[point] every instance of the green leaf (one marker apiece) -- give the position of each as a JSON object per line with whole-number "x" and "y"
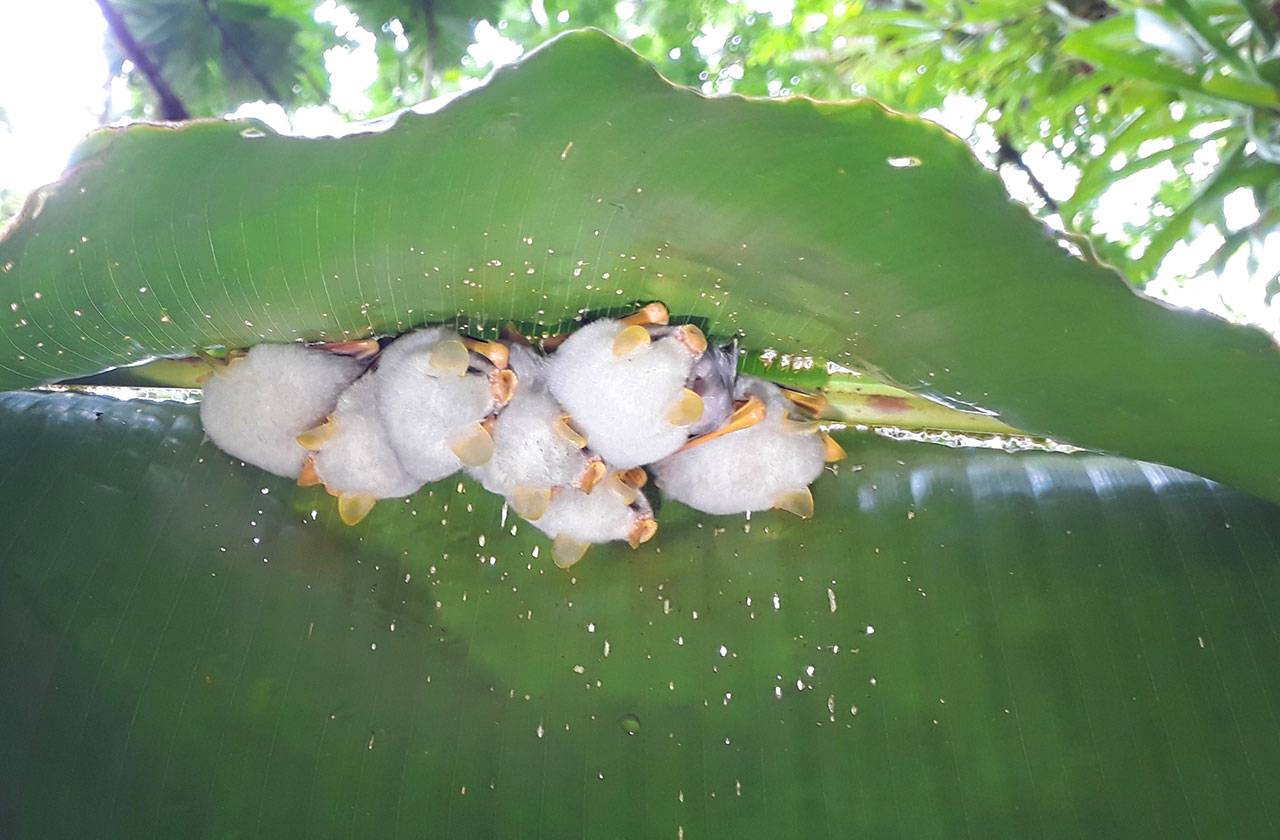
{"x": 1209, "y": 33}
{"x": 580, "y": 180}
{"x": 1263, "y": 19}
{"x": 1137, "y": 64}
{"x": 1098, "y": 175}
{"x": 1235, "y": 171}
{"x": 1240, "y": 89}
{"x": 1098, "y": 44}
{"x": 1034, "y": 644}
{"x": 1156, "y": 31}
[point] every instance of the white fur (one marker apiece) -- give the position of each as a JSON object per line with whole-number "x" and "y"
{"x": 255, "y": 407}
{"x": 529, "y": 365}
{"x": 526, "y": 451}
{"x": 358, "y": 458}
{"x": 620, "y": 403}
{"x": 745, "y": 470}
{"x": 601, "y": 516}
{"x": 423, "y": 409}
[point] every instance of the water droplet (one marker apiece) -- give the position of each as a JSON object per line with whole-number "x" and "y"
{"x": 630, "y": 724}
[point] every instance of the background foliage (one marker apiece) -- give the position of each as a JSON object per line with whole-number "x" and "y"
{"x": 1071, "y": 98}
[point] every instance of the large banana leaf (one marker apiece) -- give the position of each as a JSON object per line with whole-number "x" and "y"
{"x": 970, "y": 643}
{"x": 581, "y": 179}
{"x": 961, "y": 642}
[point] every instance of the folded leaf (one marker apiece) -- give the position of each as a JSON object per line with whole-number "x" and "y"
{"x": 579, "y": 180}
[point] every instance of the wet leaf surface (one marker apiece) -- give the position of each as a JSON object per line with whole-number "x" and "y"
{"x": 1033, "y": 644}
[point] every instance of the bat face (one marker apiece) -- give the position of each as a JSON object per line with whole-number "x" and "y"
{"x": 713, "y": 378}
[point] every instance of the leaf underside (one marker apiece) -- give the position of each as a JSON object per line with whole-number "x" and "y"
{"x": 1034, "y": 644}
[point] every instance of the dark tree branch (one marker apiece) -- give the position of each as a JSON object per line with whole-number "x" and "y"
{"x": 171, "y": 107}
{"x": 429, "y": 48}
{"x": 320, "y": 90}
{"x": 230, "y": 43}
{"x": 1007, "y": 153}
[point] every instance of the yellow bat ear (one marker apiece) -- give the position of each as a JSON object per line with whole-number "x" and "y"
{"x": 631, "y": 340}
{"x": 799, "y": 502}
{"x": 531, "y": 502}
{"x": 353, "y": 507}
{"x": 621, "y": 489}
{"x": 474, "y": 446}
{"x": 831, "y": 450}
{"x": 687, "y": 409}
{"x": 315, "y": 439}
{"x": 449, "y": 357}
{"x": 563, "y": 428}
{"x": 566, "y": 552}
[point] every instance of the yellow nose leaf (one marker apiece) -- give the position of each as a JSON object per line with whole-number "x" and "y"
{"x": 650, "y": 313}
{"x": 502, "y": 385}
{"x": 687, "y": 409}
{"x": 631, "y": 340}
{"x": 591, "y": 476}
{"x": 812, "y": 404}
{"x": 494, "y": 351}
{"x": 799, "y": 502}
{"x": 642, "y": 532}
{"x": 449, "y": 358}
{"x": 308, "y": 477}
{"x": 693, "y": 338}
